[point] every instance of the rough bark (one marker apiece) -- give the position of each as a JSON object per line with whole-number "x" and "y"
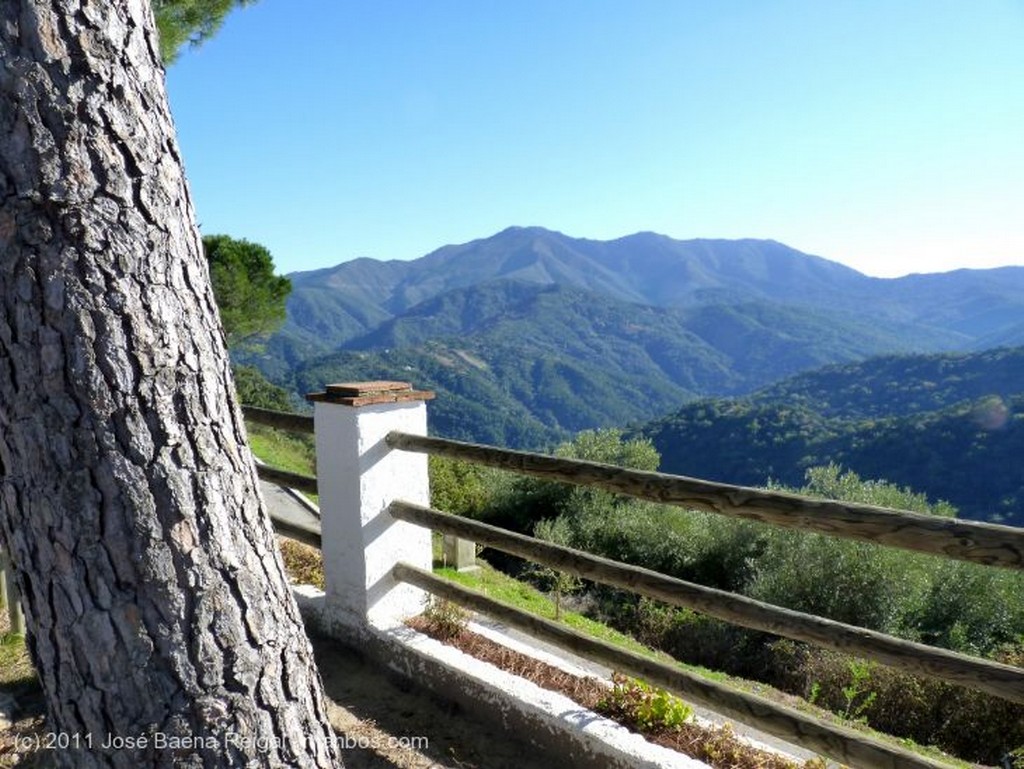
{"x": 158, "y": 608}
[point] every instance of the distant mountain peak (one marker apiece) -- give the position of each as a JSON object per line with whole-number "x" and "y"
{"x": 765, "y": 306}
{"x": 530, "y": 230}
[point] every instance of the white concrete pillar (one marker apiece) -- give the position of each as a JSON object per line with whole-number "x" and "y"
{"x": 358, "y": 476}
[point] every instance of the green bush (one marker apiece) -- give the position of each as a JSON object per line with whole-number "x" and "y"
{"x": 967, "y": 723}
{"x": 971, "y": 608}
{"x": 860, "y": 583}
{"x": 646, "y": 707}
{"x": 832, "y": 482}
{"x": 853, "y": 582}
{"x": 460, "y": 488}
{"x": 521, "y": 502}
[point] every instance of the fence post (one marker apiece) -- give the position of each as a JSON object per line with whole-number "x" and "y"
{"x": 9, "y": 595}
{"x": 358, "y": 476}
{"x": 460, "y": 554}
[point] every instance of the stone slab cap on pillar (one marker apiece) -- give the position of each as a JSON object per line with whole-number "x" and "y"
{"x": 368, "y": 393}
{"x": 359, "y": 475}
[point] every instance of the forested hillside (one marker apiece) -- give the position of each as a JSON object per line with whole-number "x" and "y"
{"x": 531, "y": 335}
{"x": 951, "y": 426}
{"x": 526, "y": 364}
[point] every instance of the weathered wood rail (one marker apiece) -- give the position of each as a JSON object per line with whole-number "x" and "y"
{"x": 1001, "y": 680}
{"x": 307, "y": 535}
{"x": 282, "y": 420}
{"x": 306, "y": 483}
{"x": 983, "y": 543}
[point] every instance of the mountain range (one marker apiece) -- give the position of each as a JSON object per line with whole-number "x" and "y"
{"x": 530, "y": 335}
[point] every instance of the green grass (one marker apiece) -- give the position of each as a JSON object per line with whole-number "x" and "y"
{"x": 16, "y": 668}
{"x": 284, "y": 450}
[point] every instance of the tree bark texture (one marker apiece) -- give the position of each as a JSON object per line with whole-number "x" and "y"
{"x": 159, "y": 612}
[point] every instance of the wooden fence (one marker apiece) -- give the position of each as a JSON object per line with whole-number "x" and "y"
{"x": 965, "y": 540}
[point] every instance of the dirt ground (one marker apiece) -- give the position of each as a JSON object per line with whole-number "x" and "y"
{"x": 382, "y": 723}
{"x": 371, "y": 702}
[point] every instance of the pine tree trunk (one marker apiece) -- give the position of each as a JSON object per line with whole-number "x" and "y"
{"x": 158, "y": 609}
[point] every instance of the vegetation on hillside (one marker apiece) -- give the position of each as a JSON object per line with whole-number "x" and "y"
{"x": 526, "y": 365}
{"x": 949, "y": 425}
{"x": 471, "y": 405}
{"x": 891, "y": 385}
{"x": 955, "y": 605}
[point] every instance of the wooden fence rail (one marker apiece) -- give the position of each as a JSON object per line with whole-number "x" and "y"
{"x": 834, "y": 741}
{"x": 297, "y": 481}
{"x": 991, "y": 677}
{"x": 983, "y": 543}
{"x": 307, "y": 535}
{"x": 282, "y": 420}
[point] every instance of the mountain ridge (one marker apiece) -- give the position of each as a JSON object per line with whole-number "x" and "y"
{"x": 570, "y": 333}
{"x": 649, "y": 268}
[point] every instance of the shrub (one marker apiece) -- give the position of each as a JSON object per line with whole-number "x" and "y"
{"x": 860, "y": 583}
{"x": 853, "y": 582}
{"x": 520, "y": 503}
{"x": 967, "y": 723}
{"x": 971, "y": 608}
{"x": 458, "y": 487}
{"x": 445, "y": 619}
{"x": 645, "y": 707}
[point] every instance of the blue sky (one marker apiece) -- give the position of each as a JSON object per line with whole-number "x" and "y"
{"x": 885, "y": 135}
